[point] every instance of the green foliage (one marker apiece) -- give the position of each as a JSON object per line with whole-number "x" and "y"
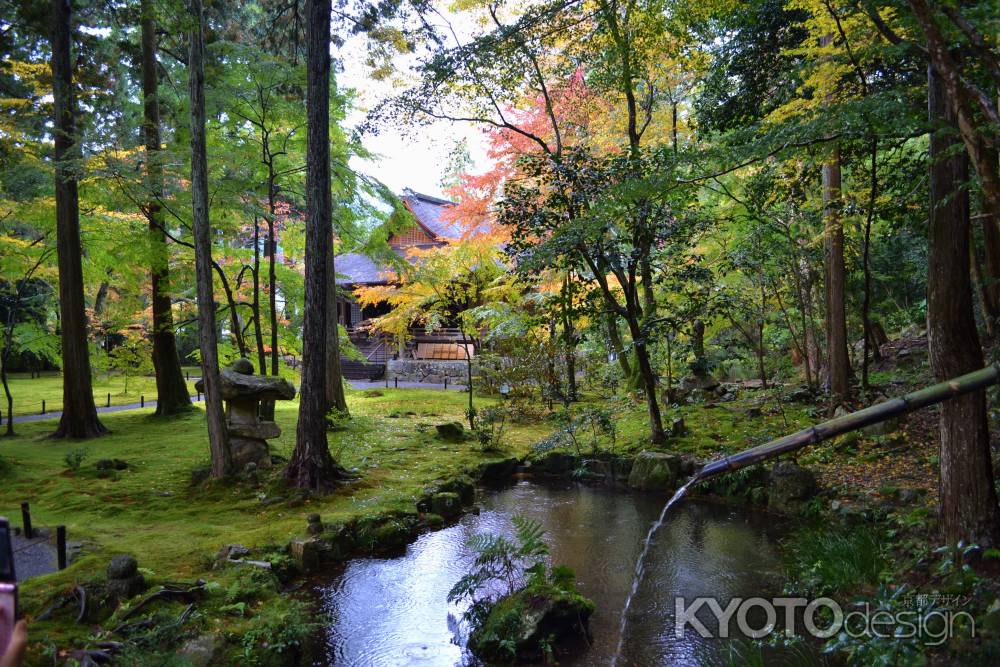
{"x": 491, "y": 428}
{"x": 277, "y": 632}
{"x": 75, "y": 458}
{"x": 829, "y": 559}
{"x": 868, "y": 649}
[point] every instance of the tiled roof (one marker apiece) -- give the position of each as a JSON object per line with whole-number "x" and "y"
{"x": 427, "y": 210}
{"x": 357, "y": 269}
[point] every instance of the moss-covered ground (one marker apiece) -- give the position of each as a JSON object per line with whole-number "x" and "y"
{"x": 29, "y": 392}
{"x": 174, "y": 529}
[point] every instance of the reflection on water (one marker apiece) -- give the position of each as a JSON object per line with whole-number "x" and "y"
{"x": 395, "y": 612}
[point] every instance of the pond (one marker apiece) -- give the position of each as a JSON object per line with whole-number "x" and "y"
{"x": 394, "y": 611}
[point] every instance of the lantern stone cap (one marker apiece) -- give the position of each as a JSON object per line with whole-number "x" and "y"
{"x": 239, "y": 382}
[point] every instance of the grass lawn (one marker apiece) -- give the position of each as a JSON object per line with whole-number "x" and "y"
{"x": 151, "y": 511}
{"x": 29, "y": 392}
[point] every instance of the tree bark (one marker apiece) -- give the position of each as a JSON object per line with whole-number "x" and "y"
{"x": 218, "y": 438}
{"x": 836, "y": 311}
{"x": 991, "y": 268}
{"x": 258, "y": 333}
{"x": 79, "y": 417}
{"x": 335, "y": 399}
{"x": 615, "y": 340}
{"x": 311, "y": 466}
{"x": 272, "y": 295}
{"x": 968, "y": 501}
{"x": 171, "y": 389}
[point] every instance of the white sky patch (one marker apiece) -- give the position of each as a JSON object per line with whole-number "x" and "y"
{"x": 409, "y": 156}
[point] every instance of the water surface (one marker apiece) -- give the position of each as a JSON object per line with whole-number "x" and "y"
{"x": 394, "y": 611}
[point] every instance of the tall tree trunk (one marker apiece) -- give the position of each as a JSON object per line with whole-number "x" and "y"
{"x": 979, "y": 285}
{"x": 171, "y": 390}
{"x": 79, "y": 417}
{"x": 311, "y": 466}
{"x": 218, "y": 438}
{"x": 272, "y": 294}
{"x": 967, "y": 495}
{"x": 648, "y": 376}
{"x": 335, "y": 398}
{"x": 991, "y": 270}
{"x": 258, "y": 333}
{"x": 569, "y": 338}
{"x": 615, "y": 340}
{"x": 866, "y": 253}
{"x": 836, "y": 310}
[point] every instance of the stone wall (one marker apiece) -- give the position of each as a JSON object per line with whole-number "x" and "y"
{"x": 426, "y": 370}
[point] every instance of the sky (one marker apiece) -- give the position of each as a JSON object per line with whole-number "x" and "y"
{"x": 409, "y": 157}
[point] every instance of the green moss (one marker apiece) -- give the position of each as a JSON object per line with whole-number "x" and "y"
{"x": 522, "y": 624}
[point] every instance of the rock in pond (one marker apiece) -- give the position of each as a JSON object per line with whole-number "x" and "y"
{"x": 655, "y": 471}
{"x": 527, "y": 618}
{"x": 447, "y": 504}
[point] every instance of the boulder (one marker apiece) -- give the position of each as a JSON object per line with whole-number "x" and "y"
{"x": 463, "y": 486}
{"x": 111, "y": 464}
{"x": 451, "y": 432}
{"x": 314, "y": 524}
{"x": 882, "y": 428}
{"x": 543, "y": 614}
{"x": 790, "y": 483}
{"x": 555, "y": 463}
{"x": 655, "y": 471}
{"x": 200, "y": 651}
{"x": 447, "y": 504}
{"x": 497, "y": 471}
{"x": 231, "y": 552}
{"x": 704, "y": 382}
{"x": 336, "y": 543}
{"x": 122, "y": 566}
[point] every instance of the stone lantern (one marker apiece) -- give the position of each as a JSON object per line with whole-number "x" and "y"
{"x": 243, "y": 392}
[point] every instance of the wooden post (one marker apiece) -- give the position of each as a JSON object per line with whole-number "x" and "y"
{"x": 61, "y": 546}
{"x": 109, "y": 399}
{"x": 446, "y": 382}
{"x": 396, "y": 382}
{"x": 43, "y": 406}
{"x": 26, "y": 520}
{"x": 142, "y": 401}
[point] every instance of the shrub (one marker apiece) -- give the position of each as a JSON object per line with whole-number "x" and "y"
{"x": 491, "y": 428}
{"x": 74, "y": 458}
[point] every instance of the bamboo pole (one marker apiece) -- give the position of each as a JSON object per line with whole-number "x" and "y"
{"x": 874, "y": 414}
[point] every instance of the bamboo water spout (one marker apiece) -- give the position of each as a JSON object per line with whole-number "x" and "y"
{"x": 874, "y": 414}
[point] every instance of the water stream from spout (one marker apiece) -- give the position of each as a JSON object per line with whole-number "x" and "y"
{"x": 640, "y": 564}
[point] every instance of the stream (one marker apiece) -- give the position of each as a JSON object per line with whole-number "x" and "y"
{"x": 394, "y": 611}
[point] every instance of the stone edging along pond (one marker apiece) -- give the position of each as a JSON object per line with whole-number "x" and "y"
{"x": 783, "y": 488}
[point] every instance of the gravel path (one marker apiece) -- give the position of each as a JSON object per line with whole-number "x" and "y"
{"x": 33, "y": 557}
{"x": 151, "y": 404}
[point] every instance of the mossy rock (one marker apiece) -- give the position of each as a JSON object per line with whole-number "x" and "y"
{"x": 450, "y": 431}
{"x": 527, "y": 618}
{"x": 448, "y": 504}
{"x": 463, "y": 486}
{"x": 337, "y": 543}
{"x": 655, "y": 471}
{"x": 555, "y": 463}
{"x": 433, "y": 521}
{"x": 386, "y": 533}
{"x": 493, "y": 472}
